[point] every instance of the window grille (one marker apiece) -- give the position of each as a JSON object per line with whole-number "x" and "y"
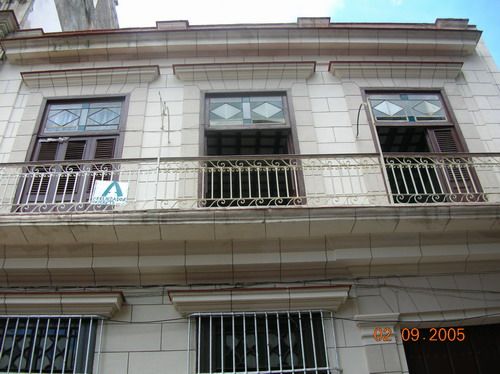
{"x": 264, "y": 342}
{"x": 47, "y": 344}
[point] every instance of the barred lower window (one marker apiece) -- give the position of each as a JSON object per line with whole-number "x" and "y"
{"x": 277, "y": 342}
{"x": 47, "y": 344}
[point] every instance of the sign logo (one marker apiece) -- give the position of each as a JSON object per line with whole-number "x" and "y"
{"x": 109, "y": 193}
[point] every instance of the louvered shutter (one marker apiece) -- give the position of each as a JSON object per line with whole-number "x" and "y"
{"x": 104, "y": 150}
{"x": 38, "y": 186}
{"x": 459, "y": 174}
{"x": 67, "y": 185}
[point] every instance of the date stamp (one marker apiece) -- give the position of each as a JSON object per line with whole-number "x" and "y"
{"x": 433, "y": 334}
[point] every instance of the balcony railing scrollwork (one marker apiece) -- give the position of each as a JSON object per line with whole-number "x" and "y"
{"x": 249, "y": 181}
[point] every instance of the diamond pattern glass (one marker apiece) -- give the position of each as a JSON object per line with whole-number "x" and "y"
{"x": 84, "y": 116}
{"x": 407, "y": 107}
{"x": 245, "y": 110}
{"x": 426, "y": 108}
{"x": 226, "y": 111}
{"x": 266, "y": 110}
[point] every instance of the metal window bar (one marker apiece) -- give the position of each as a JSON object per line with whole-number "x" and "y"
{"x": 47, "y": 344}
{"x": 295, "y": 342}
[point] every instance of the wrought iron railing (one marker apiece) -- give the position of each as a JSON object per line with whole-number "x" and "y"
{"x": 258, "y": 181}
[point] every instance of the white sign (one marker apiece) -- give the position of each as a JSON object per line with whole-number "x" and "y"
{"x": 109, "y": 193}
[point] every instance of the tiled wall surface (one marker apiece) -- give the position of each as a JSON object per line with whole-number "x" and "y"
{"x": 149, "y": 336}
{"x": 324, "y": 107}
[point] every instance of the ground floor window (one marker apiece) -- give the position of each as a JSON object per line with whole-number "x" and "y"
{"x": 35, "y": 344}
{"x": 470, "y": 350}
{"x": 272, "y": 342}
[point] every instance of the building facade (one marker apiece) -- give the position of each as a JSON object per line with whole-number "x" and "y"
{"x": 312, "y": 197}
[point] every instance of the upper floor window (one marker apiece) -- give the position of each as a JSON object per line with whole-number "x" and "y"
{"x": 272, "y": 342}
{"x": 411, "y": 126}
{"x": 71, "y": 131}
{"x": 250, "y": 126}
{"x": 35, "y": 344}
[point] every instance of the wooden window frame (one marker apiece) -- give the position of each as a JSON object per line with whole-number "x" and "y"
{"x": 292, "y": 143}
{"x": 431, "y": 127}
{"x": 91, "y": 139}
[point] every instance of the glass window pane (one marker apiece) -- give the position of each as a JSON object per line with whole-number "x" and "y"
{"x": 411, "y": 107}
{"x": 246, "y": 110}
{"x": 84, "y": 116}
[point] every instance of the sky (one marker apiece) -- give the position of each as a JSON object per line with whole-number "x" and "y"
{"x": 482, "y": 13}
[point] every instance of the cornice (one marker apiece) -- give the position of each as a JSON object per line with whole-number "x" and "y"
{"x": 261, "y": 299}
{"x": 91, "y": 76}
{"x": 257, "y": 70}
{"x": 103, "y": 304}
{"x": 395, "y": 69}
{"x": 305, "y": 38}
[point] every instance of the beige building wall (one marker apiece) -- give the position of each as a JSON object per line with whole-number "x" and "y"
{"x": 442, "y": 267}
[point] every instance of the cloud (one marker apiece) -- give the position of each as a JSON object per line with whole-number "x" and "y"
{"x": 133, "y": 13}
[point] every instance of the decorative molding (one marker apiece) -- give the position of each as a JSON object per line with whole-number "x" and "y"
{"x": 8, "y": 23}
{"x": 256, "y": 70}
{"x": 307, "y": 37}
{"x": 395, "y": 69}
{"x": 258, "y": 299}
{"x": 103, "y": 304}
{"x": 91, "y": 76}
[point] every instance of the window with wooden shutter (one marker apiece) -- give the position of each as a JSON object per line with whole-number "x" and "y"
{"x": 422, "y": 149}
{"x": 72, "y": 134}
{"x": 104, "y": 150}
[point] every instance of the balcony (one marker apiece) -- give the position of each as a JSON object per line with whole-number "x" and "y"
{"x": 258, "y": 182}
